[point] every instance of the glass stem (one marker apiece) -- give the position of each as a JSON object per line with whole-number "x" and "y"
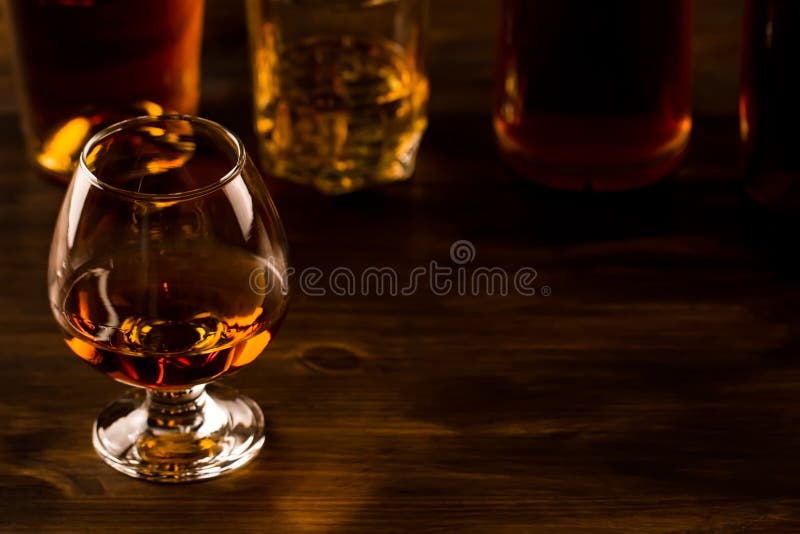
{"x": 176, "y": 411}
{"x": 182, "y": 425}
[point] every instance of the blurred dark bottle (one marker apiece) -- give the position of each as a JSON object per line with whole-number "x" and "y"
{"x": 594, "y": 94}
{"x": 83, "y": 64}
{"x": 770, "y": 104}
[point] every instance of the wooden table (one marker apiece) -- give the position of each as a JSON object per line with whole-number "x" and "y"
{"x": 656, "y": 389}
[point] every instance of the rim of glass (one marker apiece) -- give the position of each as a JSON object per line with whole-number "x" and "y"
{"x": 108, "y": 131}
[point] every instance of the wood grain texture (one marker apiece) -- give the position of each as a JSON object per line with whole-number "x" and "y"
{"x": 656, "y": 390}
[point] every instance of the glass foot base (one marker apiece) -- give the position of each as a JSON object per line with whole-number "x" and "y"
{"x": 179, "y": 436}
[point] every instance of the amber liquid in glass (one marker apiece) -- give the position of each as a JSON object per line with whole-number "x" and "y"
{"x": 769, "y": 105}
{"x": 83, "y": 64}
{"x": 339, "y": 112}
{"x": 196, "y": 327}
{"x": 594, "y": 95}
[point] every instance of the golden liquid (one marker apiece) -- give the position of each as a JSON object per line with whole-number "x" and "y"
{"x": 173, "y": 321}
{"x": 339, "y": 113}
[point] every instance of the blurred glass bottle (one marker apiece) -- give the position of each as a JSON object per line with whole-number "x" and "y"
{"x": 340, "y": 89}
{"x": 83, "y": 64}
{"x": 769, "y": 105}
{"x": 7, "y": 104}
{"x": 594, "y": 94}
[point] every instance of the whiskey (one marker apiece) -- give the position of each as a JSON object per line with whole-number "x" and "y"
{"x": 594, "y": 95}
{"x": 83, "y": 65}
{"x": 173, "y": 321}
{"x": 339, "y": 113}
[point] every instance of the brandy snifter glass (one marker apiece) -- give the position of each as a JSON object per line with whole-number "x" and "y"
{"x": 167, "y": 272}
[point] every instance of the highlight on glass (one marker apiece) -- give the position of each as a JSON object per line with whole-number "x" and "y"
{"x": 149, "y": 278}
